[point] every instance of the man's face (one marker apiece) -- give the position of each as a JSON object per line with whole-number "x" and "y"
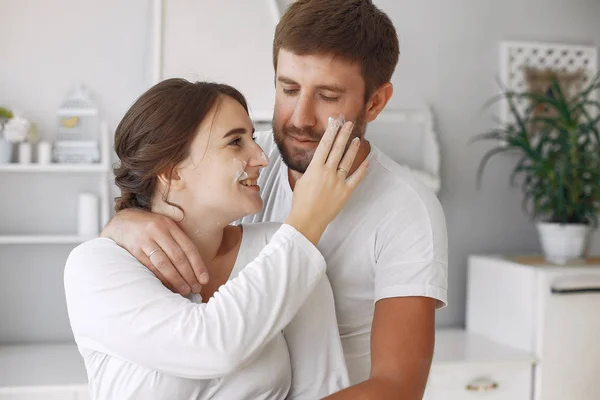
{"x": 309, "y": 90}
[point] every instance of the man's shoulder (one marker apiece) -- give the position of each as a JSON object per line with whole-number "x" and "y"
{"x": 392, "y": 181}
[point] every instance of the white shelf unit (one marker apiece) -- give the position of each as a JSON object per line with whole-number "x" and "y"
{"x": 52, "y": 371}
{"x": 64, "y": 168}
{"x": 102, "y": 170}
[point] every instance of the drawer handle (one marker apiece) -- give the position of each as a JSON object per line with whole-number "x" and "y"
{"x": 482, "y": 385}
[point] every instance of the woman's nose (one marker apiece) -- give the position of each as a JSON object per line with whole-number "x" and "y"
{"x": 258, "y": 157}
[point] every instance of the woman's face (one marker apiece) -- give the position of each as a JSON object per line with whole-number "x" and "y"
{"x": 220, "y": 175}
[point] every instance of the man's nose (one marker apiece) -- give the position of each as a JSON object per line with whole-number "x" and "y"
{"x": 304, "y": 113}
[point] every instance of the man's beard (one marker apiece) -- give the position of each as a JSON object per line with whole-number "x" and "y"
{"x": 299, "y": 159}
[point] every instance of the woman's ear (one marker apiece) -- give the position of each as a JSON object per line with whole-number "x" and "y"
{"x": 378, "y": 101}
{"x": 171, "y": 178}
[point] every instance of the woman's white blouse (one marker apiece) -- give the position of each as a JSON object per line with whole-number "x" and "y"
{"x": 269, "y": 333}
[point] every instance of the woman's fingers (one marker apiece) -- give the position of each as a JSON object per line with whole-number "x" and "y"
{"x": 339, "y": 146}
{"x": 326, "y": 142}
{"x": 345, "y": 165}
{"x": 358, "y": 175}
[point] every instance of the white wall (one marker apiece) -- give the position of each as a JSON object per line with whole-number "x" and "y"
{"x": 240, "y": 57}
{"x": 449, "y": 60}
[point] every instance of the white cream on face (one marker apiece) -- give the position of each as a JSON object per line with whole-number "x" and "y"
{"x": 240, "y": 173}
{"x": 336, "y": 122}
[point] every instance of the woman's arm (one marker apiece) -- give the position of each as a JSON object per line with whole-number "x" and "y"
{"x": 318, "y": 364}
{"x": 116, "y": 306}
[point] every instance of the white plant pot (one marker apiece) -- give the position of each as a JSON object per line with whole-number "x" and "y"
{"x": 6, "y": 149}
{"x": 563, "y": 243}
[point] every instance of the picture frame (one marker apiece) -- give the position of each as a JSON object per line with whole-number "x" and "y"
{"x": 536, "y": 60}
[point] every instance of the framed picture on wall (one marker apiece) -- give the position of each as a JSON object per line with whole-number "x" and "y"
{"x": 190, "y": 40}
{"x": 526, "y": 66}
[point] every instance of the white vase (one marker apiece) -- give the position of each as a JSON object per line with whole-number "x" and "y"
{"x": 563, "y": 243}
{"x": 6, "y": 149}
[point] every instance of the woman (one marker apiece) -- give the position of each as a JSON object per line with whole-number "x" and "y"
{"x": 186, "y": 151}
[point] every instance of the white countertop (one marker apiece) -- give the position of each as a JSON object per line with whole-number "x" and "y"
{"x": 41, "y": 365}
{"x": 60, "y": 365}
{"x": 455, "y": 346}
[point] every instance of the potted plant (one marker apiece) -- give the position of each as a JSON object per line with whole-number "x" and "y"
{"x": 13, "y": 129}
{"x": 559, "y": 163}
{"x": 5, "y": 145}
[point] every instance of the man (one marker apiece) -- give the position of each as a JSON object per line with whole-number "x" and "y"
{"x": 387, "y": 250}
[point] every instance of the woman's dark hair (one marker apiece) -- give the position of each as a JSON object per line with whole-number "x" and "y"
{"x": 156, "y": 133}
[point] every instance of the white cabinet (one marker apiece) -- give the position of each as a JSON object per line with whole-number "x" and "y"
{"x": 551, "y": 312}
{"x": 468, "y": 367}
{"x": 471, "y": 382}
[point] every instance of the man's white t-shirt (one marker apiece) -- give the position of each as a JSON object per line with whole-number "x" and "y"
{"x": 389, "y": 241}
{"x": 141, "y": 341}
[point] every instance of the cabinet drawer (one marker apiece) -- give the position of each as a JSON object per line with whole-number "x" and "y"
{"x": 471, "y": 382}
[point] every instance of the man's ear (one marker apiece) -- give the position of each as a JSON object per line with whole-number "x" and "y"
{"x": 378, "y": 101}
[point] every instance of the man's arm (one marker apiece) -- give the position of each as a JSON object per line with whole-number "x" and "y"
{"x": 402, "y": 341}
{"x": 177, "y": 264}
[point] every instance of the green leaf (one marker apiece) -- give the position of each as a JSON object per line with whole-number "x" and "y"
{"x": 485, "y": 160}
{"x": 5, "y": 113}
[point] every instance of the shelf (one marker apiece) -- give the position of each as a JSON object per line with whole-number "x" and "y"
{"x": 44, "y": 239}
{"x": 68, "y": 168}
{"x": 41, "y": 365}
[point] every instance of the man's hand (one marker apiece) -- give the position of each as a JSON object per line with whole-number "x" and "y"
{"x": 402, "y": 339}
{"x": 158, "y": 243}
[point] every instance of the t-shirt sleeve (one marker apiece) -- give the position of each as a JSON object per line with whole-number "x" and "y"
{"x": 411, "y": 253}
{"x": 117, "y": 307}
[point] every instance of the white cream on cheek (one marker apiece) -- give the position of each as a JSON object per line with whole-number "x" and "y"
{"x": 240, "y": 173}
{"x": 336, "y": 122}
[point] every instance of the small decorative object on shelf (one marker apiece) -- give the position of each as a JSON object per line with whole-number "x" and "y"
{"x": 88, "y": 221}
{"x": 78, "y": 133}
{"x": 24, "y": 153}
{"x": 5, "y": 145}
{"x": 44, "y": 153}
{"x": 14, "y": 129}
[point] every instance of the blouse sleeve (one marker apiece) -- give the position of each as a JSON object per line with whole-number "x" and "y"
{"x": 118, "y": 307}
{"x": 316, "y": 354}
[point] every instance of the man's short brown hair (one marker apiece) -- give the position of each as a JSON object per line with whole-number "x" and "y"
{"x": 355, "y": 30}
